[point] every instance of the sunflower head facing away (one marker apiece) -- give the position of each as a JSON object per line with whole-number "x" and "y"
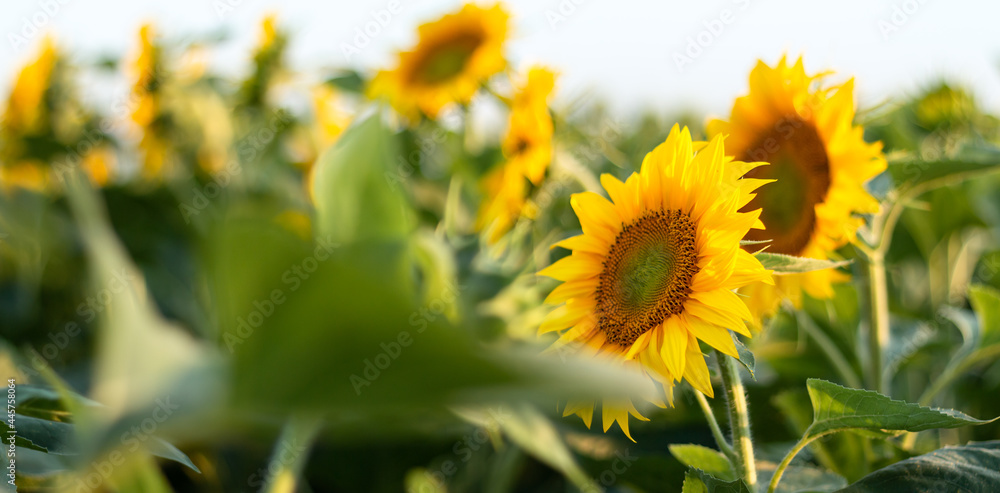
{"x": 654, "y": 271}
{"x": 453, "y": 57}
{"x": 819, "y": 162}
{"x": 527, "y": 150}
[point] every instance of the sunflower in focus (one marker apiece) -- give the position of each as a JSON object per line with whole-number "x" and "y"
{"x": 453, "y": 57}
{"x": 527, "y": 149}
{"x": 654, "y": 271}
{"x": 819, "y": 162}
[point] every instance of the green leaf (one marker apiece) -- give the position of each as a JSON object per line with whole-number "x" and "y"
{"x": 837, "y": 408}
{"x": 45, "y": 403}
{"x": 348, "y": 80}
{"x": 534, "y": 433}
{"x": 788, "y": 264}
{"x": 971, "y": 468}
{"x": 912, "y": 171}
{"x": 359, "y": 186}
{"x": 745, "y": 355}
{"x": 38, "y": 434}
{"x": 709, "y": 460}
{"x": 698, "y": 481}
{"x": 985, "y": 301}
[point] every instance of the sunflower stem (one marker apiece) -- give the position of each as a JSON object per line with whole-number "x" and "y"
{"x": 878, "y": 331}
{"x": 739, "y": 419}
{"x": 713, "y": 424}
{"x": 291, "y": 454}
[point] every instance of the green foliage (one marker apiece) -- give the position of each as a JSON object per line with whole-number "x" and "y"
{"x": 974, "y": 467}
{"x": 698, "y": 481}
{"x": 707, "y": 460}
{"x": 837, "y": 408}
{"x": 789, "y": 264}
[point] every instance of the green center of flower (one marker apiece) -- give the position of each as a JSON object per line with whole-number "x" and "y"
{"x": 647, "y": 275}
{"x": 448, "y": 59}
{"x": 799, "y": 163}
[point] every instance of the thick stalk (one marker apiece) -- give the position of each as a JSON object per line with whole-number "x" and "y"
{"x": 739, "y": 419}
{"x": 878, "y": 330}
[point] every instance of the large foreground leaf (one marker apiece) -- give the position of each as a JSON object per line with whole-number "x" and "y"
{"x": 973, "y": 468}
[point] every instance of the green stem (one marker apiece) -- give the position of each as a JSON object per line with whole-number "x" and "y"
{"x": 950, "y": 373}
{"x": 720, "y": 440}
{"x": 290, "y": 454}
{"x": 830, "y": 349}
{"x": 788, "y": 460}
{"x": 878, "y": 330}
{"x": 739, "y": 419}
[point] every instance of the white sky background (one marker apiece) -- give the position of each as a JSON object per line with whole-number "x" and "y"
{"x": 619, "y": 50}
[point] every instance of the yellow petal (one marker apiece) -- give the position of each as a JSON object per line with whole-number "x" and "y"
{"x": 713, "y": 335}
{"x": 674, "y": 347}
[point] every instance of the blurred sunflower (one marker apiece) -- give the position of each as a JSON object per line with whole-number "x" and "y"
{"x": 527, "y": 148}
{"x": 27, "y": 114}
{"x": 654, "y": 271}
{"x": 819, "y": 162}
{"x": 147, "y": 73}
{"x": 269, "y": 64}
{"x": 453, "y": 57}
{"x": 44, "y": 130}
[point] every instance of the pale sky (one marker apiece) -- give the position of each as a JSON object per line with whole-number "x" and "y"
{"x": 624, "y": 51}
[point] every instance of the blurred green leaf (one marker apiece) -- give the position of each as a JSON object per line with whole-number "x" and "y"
{"x": 533, "y": 432}
{"x": 38, "y": 434}
{"x": 971, "y": 468}
{"x": 348, "y": 80}
{"x": 360, "y": 193}
{"x": 910, "y": 171}
{"x": 986, "y": 303}
{"x": 788, "y": 264}
{"x": 700, "y": 457}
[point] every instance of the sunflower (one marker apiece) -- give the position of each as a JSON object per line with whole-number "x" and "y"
{"x": 527, "y": 149}
{"x": 654, "y": 271}
{"x": 819, "y": 162}
{"x": 27, "y": 116}
{"x": 453, "y": 57}
{"x": 147, "y": 89}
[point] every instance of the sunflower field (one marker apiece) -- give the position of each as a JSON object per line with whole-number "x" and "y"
{"x": 344, "y": 281}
